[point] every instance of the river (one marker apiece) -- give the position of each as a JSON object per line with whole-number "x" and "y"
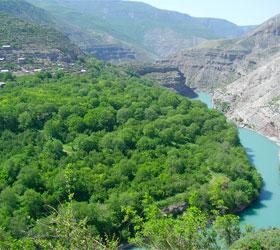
{"x": 264, "y": 154}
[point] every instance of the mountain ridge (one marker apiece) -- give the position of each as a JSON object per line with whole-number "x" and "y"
{"x": 139, "y": 25}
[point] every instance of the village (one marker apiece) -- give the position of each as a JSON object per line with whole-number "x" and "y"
{"x": 19, "y": 62}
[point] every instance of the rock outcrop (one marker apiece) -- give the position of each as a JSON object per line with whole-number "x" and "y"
{"x": 167, "y": 76}
{"x": 206, "y": 69}
{"x": 113, "y": 53}
{"x": 253, "y": 101}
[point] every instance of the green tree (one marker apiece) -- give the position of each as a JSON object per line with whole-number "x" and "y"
{"x": 227, "y": 228}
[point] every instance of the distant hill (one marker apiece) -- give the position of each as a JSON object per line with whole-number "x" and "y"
{"x": 25, "y": 11}
{"x": 101, "y": 45}
{"x": 138, "y": 25}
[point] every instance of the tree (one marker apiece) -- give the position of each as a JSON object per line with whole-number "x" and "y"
{"x": 227, "y": 228}
{"x": 66, "y": 232}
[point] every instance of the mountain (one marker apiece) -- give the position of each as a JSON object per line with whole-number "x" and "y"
{"x": 102, "y": 46}
{"x": 254, "y": 100}
{"x": 137, "y": 27}
{"x": 218, "y": 63}
{"x": 242, "y": 73}
{"x": 25, "y": 11}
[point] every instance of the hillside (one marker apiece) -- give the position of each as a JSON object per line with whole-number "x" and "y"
{"x": 101, "y": 45}
{"x": 218, "y": 63}
{"x": 137, "y": 26}
{"x": 29, "y": 40}
{"x": 247, "y": 73}
{"x": 29, "y": 46}
{"x": 25, "y": 11}
{"x": 254, "y": 100}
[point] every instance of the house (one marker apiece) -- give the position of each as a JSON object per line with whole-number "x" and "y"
{"x": 21, "y": 59}
{"x": 2, "y": 84}
{"x": 6, "y": 46}
{"x": 4, "y": 71}
{"x": 37, "y": 70}
{"x": 83, "y": 71}
{"x": 2, "y": 59}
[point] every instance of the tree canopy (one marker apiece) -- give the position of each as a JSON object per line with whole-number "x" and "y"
{"x": 110, "y": 139}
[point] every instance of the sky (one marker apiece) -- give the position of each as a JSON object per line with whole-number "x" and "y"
{"x": 241, "y": 12}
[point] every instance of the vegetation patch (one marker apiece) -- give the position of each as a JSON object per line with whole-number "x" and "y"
{"x": 111, "y": 140}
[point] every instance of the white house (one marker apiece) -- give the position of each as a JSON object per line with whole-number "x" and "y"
{"x": 2, "y": 84}
{"x": 4, "y": 71}
{"x": 6, "y": 46}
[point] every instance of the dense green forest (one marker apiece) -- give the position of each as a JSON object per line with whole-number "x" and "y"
{"x": 107, "y": 151}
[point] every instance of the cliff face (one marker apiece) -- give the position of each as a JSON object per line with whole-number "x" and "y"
{"x": 218, "y": 63}
{"x": 206, "y": 69}
{"x": 243, "y": 74}
{"x": 167, "y": 76}
{"x": 253, "y": 101}
{"x": 112, "y": 53}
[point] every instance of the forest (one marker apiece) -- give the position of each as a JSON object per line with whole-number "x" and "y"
{"x": 99, "y": 156}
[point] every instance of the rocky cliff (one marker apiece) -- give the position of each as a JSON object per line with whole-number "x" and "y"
{"x": 167, "y": 76}
{"x": 243, "y": 74}
{"x": 218, "y": 63}
{"x": 253, "y": 101}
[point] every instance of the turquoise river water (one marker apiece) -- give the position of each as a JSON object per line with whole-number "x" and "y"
{"x": 264, "y": 154}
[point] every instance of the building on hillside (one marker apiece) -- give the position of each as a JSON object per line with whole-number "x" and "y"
{"x": 6, "y": 46}
{"x": 2, "y": 59}
{"x": 4, "y": 71}
{"x": 2, "y": 84}
{"x": 21, "y": 59}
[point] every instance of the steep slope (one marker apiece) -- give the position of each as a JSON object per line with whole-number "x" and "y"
{"x": 27, "y": 44}
{"x": 164, "y": 75}
{"x": 158, "y": 32}
{"x": 25, "y": 11}
{"x": 221, "y": 62}
{"x": 254, "y": 100}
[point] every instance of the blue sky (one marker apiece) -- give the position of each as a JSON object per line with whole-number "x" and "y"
{"x": 242, "y": 12}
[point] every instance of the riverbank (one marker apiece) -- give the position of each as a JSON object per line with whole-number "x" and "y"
{"x": 263, "y": 152}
